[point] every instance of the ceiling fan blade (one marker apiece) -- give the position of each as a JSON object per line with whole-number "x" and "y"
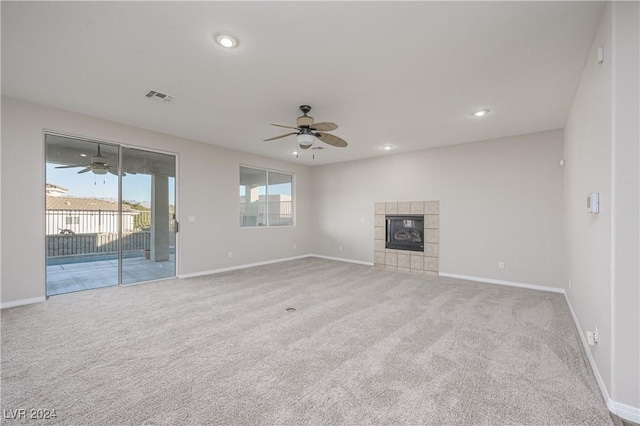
{"x": 324, "y": 127}
{"x": 281, "y": 136}
{"x": 88, "y": 169}
{"x": 286, "y": 127}
{"x": 331, "y": 139}
{"x": 72, "y": 166}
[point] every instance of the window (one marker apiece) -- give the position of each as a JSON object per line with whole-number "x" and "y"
{"x": 266, "y": 198}
{"x": 72, "y": 220}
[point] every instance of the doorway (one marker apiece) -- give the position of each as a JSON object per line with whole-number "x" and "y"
{"x": 110, "y": 215}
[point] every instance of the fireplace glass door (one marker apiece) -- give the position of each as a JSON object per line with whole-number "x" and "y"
{"x": 405, "y": 233}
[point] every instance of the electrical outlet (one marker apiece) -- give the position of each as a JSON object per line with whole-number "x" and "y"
{"x": 340, "y": 247}
{"x": 501, "y": 265}
{"x": 230, "y": 254}
{"x": 569, "y": 283}
{"x": 592, "y": 336}
{"x": 294, "y": 246}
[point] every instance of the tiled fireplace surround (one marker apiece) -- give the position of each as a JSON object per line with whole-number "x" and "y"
{"x": 416, "y": 262}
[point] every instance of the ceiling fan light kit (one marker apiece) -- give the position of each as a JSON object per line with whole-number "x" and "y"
{"x": 100, "y": 170}
{"x": 307, "y": 131}
{"x": 305, "y": 140}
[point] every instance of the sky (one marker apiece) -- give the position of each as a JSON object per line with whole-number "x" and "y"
{"x": 134, "y": 187}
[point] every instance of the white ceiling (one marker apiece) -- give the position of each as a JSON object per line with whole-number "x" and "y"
{"x": 404, "y": 73}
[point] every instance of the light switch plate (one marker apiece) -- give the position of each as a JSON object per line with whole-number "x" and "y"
{"x": 593, "y": 203}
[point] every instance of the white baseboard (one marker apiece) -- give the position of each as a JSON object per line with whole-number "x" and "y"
{"x": 624, "y": 411}
{"x": 501, "y": 282}
{"x": 22, "y": 302}
{"x": 583, "y": 339}
{"x": 234, "y": 268}
{"x": 342, "y": 259}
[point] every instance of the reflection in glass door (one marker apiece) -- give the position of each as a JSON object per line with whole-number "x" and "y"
{"x": 148, "y": 216}
{"x": 102, "y": 230}
{"x": 82, "y": 219}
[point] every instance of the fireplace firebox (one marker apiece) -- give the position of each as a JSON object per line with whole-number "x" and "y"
{"x": 405, "y": 232}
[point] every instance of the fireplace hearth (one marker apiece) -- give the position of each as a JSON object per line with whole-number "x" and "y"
{"x": 405, "y": 232}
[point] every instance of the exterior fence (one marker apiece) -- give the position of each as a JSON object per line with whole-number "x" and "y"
{"x": 78, "y": 244}
{"x": 90, "y": 221}
{"x": 66, "y": 245}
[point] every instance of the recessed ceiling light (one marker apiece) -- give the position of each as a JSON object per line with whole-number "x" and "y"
{"x": 226, "y": 40}
{"x": 480, "y": 113}
{"x": 388, "y": 147}
{"x": 83, "y": 155}
{"x": 295, "y": 152}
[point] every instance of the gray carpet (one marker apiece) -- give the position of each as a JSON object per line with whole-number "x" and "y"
{"x": 364, "y": 346}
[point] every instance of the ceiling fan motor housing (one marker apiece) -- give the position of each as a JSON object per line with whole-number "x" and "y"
{"x": 304, "y": 120}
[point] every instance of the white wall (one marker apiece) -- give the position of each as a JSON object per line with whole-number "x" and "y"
{"x": 626, "y": 201}
{"x": 588, "y": 169}
{"x": 602, "y": 251}
{"x": 500, "y": 201}
{"x": 208, "y": 189}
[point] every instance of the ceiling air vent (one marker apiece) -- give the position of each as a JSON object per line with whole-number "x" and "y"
{"x": 159, "y": 95}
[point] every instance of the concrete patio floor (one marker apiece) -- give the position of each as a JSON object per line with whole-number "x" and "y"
{"x": 70, "y": 277}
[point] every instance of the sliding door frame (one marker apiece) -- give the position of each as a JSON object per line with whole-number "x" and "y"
{"x": 119, "y": 146}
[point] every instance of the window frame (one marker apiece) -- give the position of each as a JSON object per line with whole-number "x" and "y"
{"x": 293, "y": 197}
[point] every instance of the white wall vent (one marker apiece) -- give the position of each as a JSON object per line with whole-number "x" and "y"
{"x": 159, "y": 95}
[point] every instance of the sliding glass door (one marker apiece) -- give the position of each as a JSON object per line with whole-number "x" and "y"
{"x": 82, "y": 219}
{"x": 105, "y": 224}
{"x": 148, "y": 215}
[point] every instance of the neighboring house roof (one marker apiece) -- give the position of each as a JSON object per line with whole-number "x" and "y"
{"x": 87, "y": 204}
{"x": 52, "y": 189}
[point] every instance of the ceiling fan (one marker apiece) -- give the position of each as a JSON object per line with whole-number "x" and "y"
{"x": 306, "y": 131}
{"x": 98, "y": 166}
